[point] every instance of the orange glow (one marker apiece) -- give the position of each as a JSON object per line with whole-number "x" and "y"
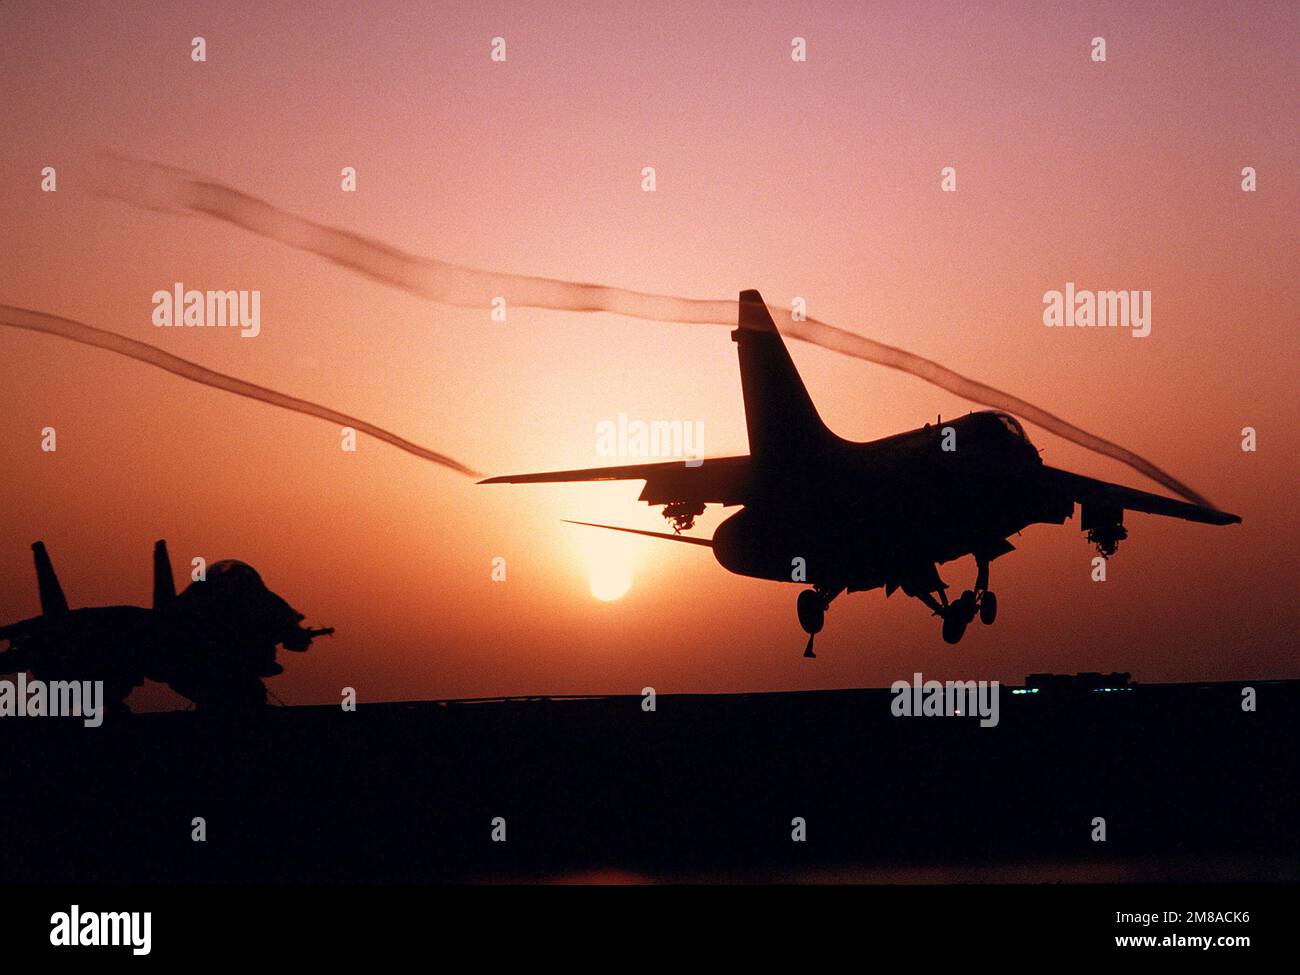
{"x": 610, "y": 575}
{"x": 819, "y": 180}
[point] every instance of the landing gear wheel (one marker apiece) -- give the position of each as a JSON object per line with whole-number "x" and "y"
{"x": 812, "y": 616}
{"x": 954, "y": 627}
{"x": 988, "y": 608}
{"x": 965, "y": 607}
{"x": 812, "y": 611}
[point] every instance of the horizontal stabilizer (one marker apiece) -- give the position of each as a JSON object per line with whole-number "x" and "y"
{"x": 667, "y": 536}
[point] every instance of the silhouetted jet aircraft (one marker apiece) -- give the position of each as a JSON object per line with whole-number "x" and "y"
{"x": 858, "y": 516}
{"x": 213, "y": 643}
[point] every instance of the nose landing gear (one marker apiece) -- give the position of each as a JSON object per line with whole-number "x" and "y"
{"x": 812, "y": 612}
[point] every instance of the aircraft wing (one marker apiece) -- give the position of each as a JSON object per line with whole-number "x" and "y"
{"x": 717, "y": 480}
{"x": 15, "y": 659}
{"x": 1087, "y": 490}
{"x": 15, "y": 631}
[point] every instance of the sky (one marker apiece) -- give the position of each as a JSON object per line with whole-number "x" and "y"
{"x": 818, "y": 179}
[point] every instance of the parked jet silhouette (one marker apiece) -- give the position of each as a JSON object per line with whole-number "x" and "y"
{"x": 849, "y": 517}
{"x": 213, "y": 643}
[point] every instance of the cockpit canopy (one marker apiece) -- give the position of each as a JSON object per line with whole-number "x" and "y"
{"x": 231, "y": 575}
{"x": 1012, "y": 425}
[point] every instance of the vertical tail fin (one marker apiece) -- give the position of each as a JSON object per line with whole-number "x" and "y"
{"x": 779, "y": 413}
{"x": 164, "y": 585}
{"x": 53, "y": 602}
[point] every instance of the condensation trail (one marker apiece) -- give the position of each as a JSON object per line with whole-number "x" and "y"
{"x": 158, "y": 187}
{"x": 36, "y": 321}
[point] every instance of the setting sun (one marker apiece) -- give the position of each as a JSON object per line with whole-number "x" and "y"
{"x": 610, "y": 560}
{"x": 609, "y": 574}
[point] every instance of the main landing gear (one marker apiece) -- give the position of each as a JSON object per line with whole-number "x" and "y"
{"x": 924, "y": 585}
{"x": 812, "y": 612}
{"x": 959, "y": 613}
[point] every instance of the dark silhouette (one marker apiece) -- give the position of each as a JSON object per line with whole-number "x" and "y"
{"x": 213, "y": 643}
{"x": 704, "y": 788}
{"x": 848, "y": 517}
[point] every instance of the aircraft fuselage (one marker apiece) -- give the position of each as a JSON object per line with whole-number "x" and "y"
{"x": 863, "y": 515}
